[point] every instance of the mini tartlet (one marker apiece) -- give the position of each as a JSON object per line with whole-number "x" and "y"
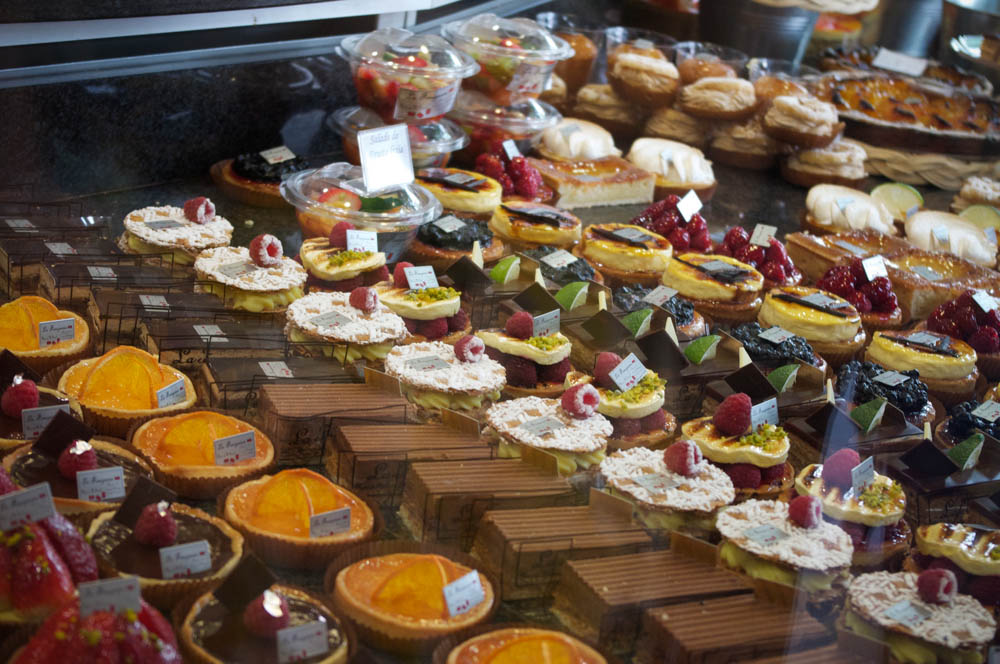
{"x": 19, "y": 321}
{"x": 644, "y": 80}
{"x": 166, "y": 229}
{"x": 803, "y": 121}
{"x": 528, "y": 644}
{"x": 969, "y": 547}
{"x": 744, "y": 145}
{"x": 678, "y": 168}
{"x": 328, "y": 322}
{"x": 832, "y": 208}
{"x": 830, "y": 324}
{"x": 335, "y": 268}
{"x": 625, "y": 253}
{"x": 441, "y": 242}
{"x": 721, "y": 287}
{"x": 771, "y": 355}
{"x": 12, "y": 433}
{"x": 251, "y": 178}
{"x": 430, "y": 314}
{"x": 181, "y": 449}
{"x": 230, "y": 274}
{"x": 841, "y": 162}
{"x": 947, "y": 366}
{"x": 573, "y": 139}
{"x": 536, "y": 365}
{"x": 688, "y": 322}
{"x": 525, "y": 225}
{"x": 676, "y": 125}
{"x": 874, "y": 299}
{"x": 857, "y": 383}
{"x": 601, "y": 105}
{"x": 273, "y": 513}
{"x": 563, "y": 267}
{"x": 718, "y": 98}
{"x": 467, "y": 191}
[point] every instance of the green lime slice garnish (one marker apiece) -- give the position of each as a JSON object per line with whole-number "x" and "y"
{"x": 783, "y": 378}
{"x": 702, "y": 348}
{"x": 869, "y": 414}
{"x": 506, "y": 270}
{"x": 638, "y": 321}
{"x": 572, "y": 295}
{"x": 900, "y": 199}
{"x": 966, "y": 454}
{"x": 984, "y": 216}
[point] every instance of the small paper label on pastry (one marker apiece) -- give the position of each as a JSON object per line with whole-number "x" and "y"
{"x": 690, "y": 205}
{"x": 34, "y": 420}
{"x": 60, "y": 248}
{"x": 863, "y": 475}
{"x": 113, "y": 595}
{"x": 762, "y": 235}
{"x": 420, "y": 277}
{"x": 51, "y": 332}
{"x": 925, "y": 338}
{"x": 301, "y": 642}
{"x": 385, "y": 157}
{"x": 464, "y": 593}
{"x": 912, "y": 211}
{"x": 659, "y": 295}
{"x": 426, "y": 363}
{"x": 528, "y": 81}
{"x": 568, "y": 130}
{"x": 419, "y": 103}
{"x": 765, "y": 534}
{"x": 330, "y": 319}
{"x": 821, "y": 300}
{"x": 926, "y": 272}
{"x": 941, "y": 235}
{"x": 173, "y": 393}
{"x": 656, "y": 483}
{"x": 26, "y": 506}
{"x": 362, "y": 241}
{"x": 891, "y": 378}
{"x": 277, "y": 155}
{"x": 510, "y": 149}
{"x": 765, "y": 412}
{"x": 183, "y": 560}
{"x": 545, "y": 324}
{"x": 991, "y": 235}
{"x": 559, "y": 259}
{"x": 899, "y": 62}
{"x": 632, "y": 235}
{"x": 776, "y": 335}
{"x": 988, "y": 410}
{"x": 234, "y": 270}
{"x": 984, "y": 301}
{"x": 330, "y": 523}
{"x": 542, "y": 426}
{"x": 20, "y": 225}
{"x": 276, "y": 369}
{"x": 235, "y": 449}
{"x": 907, "y": 613}
{"x": 154, "y": 302}
{"x": 853, "y": 248}
{"x": 101, "y": 484}
{"x": 100, "y": 272}
{"x": 450, "y": 223}
{"x": 211, "y": 333}
{"x": 164, "y": 224}
{"x": 844, "y": 202}
{"x": 628, "y": 373}
{"x": 874, "y": 267}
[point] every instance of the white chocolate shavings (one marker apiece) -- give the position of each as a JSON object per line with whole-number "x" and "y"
{"x": 480, "y": 377}
{"x": 377, "y": 327}
{"x": 190, "y": 236}
{"x": 580, "y": 436}
{"x": 288, "y": 274}
{"x": 961, "y": 623}
{"x": 708, "y": 489}
{"x": 825, "y": 547}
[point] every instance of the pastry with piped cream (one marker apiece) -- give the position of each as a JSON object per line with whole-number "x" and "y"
{"x": 346, "y": 326}
{"x": 258, "y": 278}
{"x": 721, "y": 287}
{"x": 625, "y": 253}
{"x": 803, "y": 121}
{"x": 841, "y": 162}
{"x": 719, "y": 98}
{"x": 946, "y": 365}
{"x": 830, "y": 323}
{"x": 678, "y": 168}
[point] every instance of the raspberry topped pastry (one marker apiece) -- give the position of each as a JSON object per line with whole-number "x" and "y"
{"x": 625, "y": 253}
{"x": 183, "y": 232}
{"x": 334, "y": 267}
{"x": 976, "y": 324}
{"x": 772, "y": 261}
{"x": 430, "y": 314}
{"x": 259, "y": 278}
{"x": 874, "y": 298}
{"x": 357, "y": 325}
{"x": 685, "y": 236}
{"x": 967, "y": 550}
{"x": 803, "y": 121}
{"x": 519, "y": 179}
{"x": 535, "y": 365}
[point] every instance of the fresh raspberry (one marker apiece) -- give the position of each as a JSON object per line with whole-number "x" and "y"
{"x": 581, "y": 400}
{"x": 6, "y": 483}
{"x": 860, "y": 302}
{"x": 679, "y": 239}
{"x": 938, "y": 321}
{"x": 346, "y": 285}
{"x": 554, "y": 373}
{"x": 75, "y": 458}
{"x": 750, "y": 255}
{"x": 986, "y": 589}
{"x": 857, "y": 269}
{"x": 773, "y": 474}
{"x": 489, "y": 165}
{"x": 459, "y": 321}
{"x": 966, "y": 321}
{"x": 508, "y": 185}
{"x": 985, "y": 340}
{"x": 520, "y": 325}
{"x": 776, "y": 253}
{"x": 937, "y": 586}
{"x": 993, "y": 319}
{"x": 839, "y": 271}
{"x": 723, "y": 250}
{"x": 529, "y": 184}
{"x": 603, "y": 366}
{"x": 842, "y": 285}
{"x": 966, "y": 301}
{"x": 399, "y": 274}
{"x": 411, "y": 324}
{"x": 732, "y": 417}
{"x": 837, "y": 467}
{"x": 338, "y": 234}
{"x": 696, "y": 226}
{"x": 702, "y": 241}
{"x": 497, "y": 355}
{"x": 683, "y": 457}
{"x": 655, "y": 421}
{"x": 433, "y": 329}
{"x": 663, "y": 225}
{"x": 470, "y": 348}
{"x": 199, "y": 210}
{"x": 736, "y": 238}
{"x": 805, "y": 511}
{"x": 21, "y": 395}
{"x": 520, "y": 372}
{"x": 517, "y": 167}
{"x": 774, "y": 271}
{"x": 948, "y": 326}
{"x": 945, "y": 563}
{"x": 266, "y": 250}
{"x": 878, "y": 291}
{"x": 856, "y": 531}
{"x": 372, "y": 277}
{"x": 743, "y": 475}
{"x": 156, "y": 525}
{"x": 266, "y": 615}
{"x": 364, "y": 298}
{"x": 623, "y": 427}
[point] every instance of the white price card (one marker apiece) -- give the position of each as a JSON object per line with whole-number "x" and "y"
{"x": 988, "y": 410}
{"x": 154, "y": 302}
{"x": 874, "y": 268}
{"x": 362, "y": 241}
{"x": 101, "y": 484}
{"x": 298, "y": 643}
{"x": 238, "y": 269}
{"x": 559, "y": 259}
{"x": 420, "y": 277}
{"x": 891, "y": 378}
{"x": 628, "y": 373}
{"x": 173, "y": 393}
{"x": 330, "y": 319}
{"x": 427, "y": 363}
{"x": 51, "y": 332}
{"x": 235, "y": 449}
{"x": 34, "y": 420}
{"x": 330, "y": 523}
{"x": 545, "y": 325}
{"x": 907, "y": 613}
{"x": 211, "y": 333}
{"x": 776, "y": 335}
{"x": 26, "y": 506}
{"x": 542, "y": 426}
{"x": 510, "y": 149}
{"x": 762, "y": 234}
{"x": 113, "y": 595}
{"x": 182, "y": 560}
{"x": 984, "y": 301}
{"x": 656, "y": 483}
{"x": 450, "y": 223}
{"x": 60, "y": 248}
{"x": 275, "y": 369}
{"x": 927, "y": 272}
{"x": 659, "y": 295}
{"x": 853, "y": 248}
{"x": 277, "y": 155}
{"x": 690, "y": 205}
{"x": 765, "y": 412}
{"x": 20, "y": 225}
{"x": 862, "y": 475}
{"x": 420, "y": 103}
{"x": 765, "y": 534}
{"x": 899, "y": 62}
{"x": 101, "y": 272}
{"x": 464, "y": 593}
{"x": 385, "y": 157}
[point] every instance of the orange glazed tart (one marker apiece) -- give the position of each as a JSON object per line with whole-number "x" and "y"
{"x": 123, "y": 387}
{"x": 275, "y": 513}
{"x": 19, "y": 333}
{"x": 182, "y": 450}
{"x": 523, "y": 644}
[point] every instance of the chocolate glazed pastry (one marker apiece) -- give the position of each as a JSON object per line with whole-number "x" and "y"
{"x": 34, "y": 468}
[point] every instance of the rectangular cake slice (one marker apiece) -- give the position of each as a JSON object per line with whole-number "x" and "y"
{"x": 233, "y": 383}
{"x": 606, "y": 181}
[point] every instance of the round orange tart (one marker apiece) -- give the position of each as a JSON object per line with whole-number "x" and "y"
{"x": 182, "y": 450}
{"x": 274, "y": 514}
{"x": 19, "y": 333}
{"x": 119, "y": 389}
{"x": 523, "y": 644}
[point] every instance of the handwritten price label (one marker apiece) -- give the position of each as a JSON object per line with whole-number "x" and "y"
{"x": 542, "y": 426}
{"x": 420, "y": 276}
{"x": 450, "y": 223}
{"x": 659, "y": 295}
{"x": 60, "y": 248}
{"x": 330, "y": 319}
{"x": 173, "y": 393}
{"x": 277, "y": 155}
{"x": 182, "y": 560}
{"x": 628, "y": 373}
{"x": 765, "y": 412}
{"x": 874, "y": 268}
{"x": 211, "y": 333}
{"x": 276, "y": 369}
{"x": 559, "y": 259}
{"x": 862, "y": 475}
{"x": 34, "y": 420}
{"x": 907, "y": 613}
{"x": 385, "y": 157}
{"x": 988, "y": 410}
{"x": 101, "y": 484}
{"x": 235, "y": 449}
{"x": 56, "y": 331}
{"x": 899, "y": 62}
{"x": 362, "y": 241}
{"x": 891, "y": 378}
{"x": 101, "y": 273}
{"x": 656, "y": 483}
{"x": 111, "y": 595}
{"x": 426, "y": 363}
{"x": 464, "y": 593}
{"x": 154, "y": 302}
{"x": 545, "y": 325}
{"x": 765, "y": 535}
{"x": 330, "y": 523}
{"x": 302, "y": 642}
{"x": 417, "y": 103}
{"x": 776, "y": 335}
{"x": 26, "y": 506}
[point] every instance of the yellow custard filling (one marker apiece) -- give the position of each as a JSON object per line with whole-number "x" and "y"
{"x": 893, "y": 355}
{"x": 253, "y": 301}
{"x": 345, "y": 354}
{"x": 804, "y": 321}
{"x": 481, "y": 201}
{"x": 139, "y": 246}
{"x": 526, "y": 231}
{"x": 437, "y": 400}
{"x": 687, "y": 522}
{"x": 696, "y": 285}
{"x": 644, "y": 399}
{"x": 569, "y": 462}
{"x": 973, "y": 548}
{"x": 333, "y": 264}
{"x": 552, "y": 349}
{"x": 908, "y": 650}
{"x": 766, "y": 447}
{"x": 757, "y": 568}
{"x": 425, "y": 304}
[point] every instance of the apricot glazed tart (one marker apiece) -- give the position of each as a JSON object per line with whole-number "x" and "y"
{"x": 523, "y": 644}
{"x": 275, "y": 514}
{"x": 182, "y": 450}
{"x": 625, "y": 253}
{"x": 19, "y": 333}
{"x": 123, "y": 387}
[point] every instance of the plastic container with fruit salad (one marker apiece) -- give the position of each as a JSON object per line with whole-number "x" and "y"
{"x": 403, "y": 76}
{"x": 431, "y": 144}
{"x": 488, "y": 125}
{"x": 325, "y": 196}
{"x": 516, "y": 56}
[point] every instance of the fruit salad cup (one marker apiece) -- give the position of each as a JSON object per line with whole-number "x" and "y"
{"x": 326, "y": 196}
{"x": 431, "y": 143}
{"x": 516, "y": 56}
{"x": 403, "y": 76}
{"x": 488, "y": 125}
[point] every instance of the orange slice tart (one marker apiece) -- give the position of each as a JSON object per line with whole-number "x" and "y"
{"x": 397, "y": 600}
{"x": 123, "y": 387}
{"x": 20, "y": 333}
{"x": 275, "y": 514}
{"x": 515, "y": 645}
{"x": 183, "y": 450}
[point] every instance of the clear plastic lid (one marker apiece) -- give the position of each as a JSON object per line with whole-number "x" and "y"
{"x": 507, "y": 37}
{"x": 430, "y": 138}
{"x": 526, "y": 117}
{"x": 403, "y": 52}
{"x": 403, "y": 205}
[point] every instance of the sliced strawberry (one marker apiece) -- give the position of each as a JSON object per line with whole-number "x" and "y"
{"x": 340, "y": 198}
{"x": 72, "y": 546}
{"x": 141, "y": 644}
{"x": 39, "y": 577}
{"x": 51, "y": 643}
{"x": 154, "y": 621}
{"x": 95, "y": 640}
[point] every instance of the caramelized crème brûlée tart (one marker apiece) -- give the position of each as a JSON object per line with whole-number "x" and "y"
{"x": 182, "y": 449}
{"x": 721, "y": 287}
{"x": 445, "y": 240}
{"x": 332, "y": 266}
{"x": 433, "y": 313}
{"x": 181, "y": 232}
{"x": 435, "y": 375}
{"x": 946, "y": 365}
{"x": 523, "y": 644}
{"x": 523, "y": 225}
{"x": 124, "y": 386}
{"x": 286, "y": 518}
{"x": 536, "y": 365}
{"x": 676, "y": 489}
{"x": 971, "y": 551}
{"x": 625, "y": 253}
{"x": 462, "y": 191}
{"x": 830, "y": 324}
{"x": 345, "y": 326}
{"x": 258, "y": 279}
{"x": 19, "y": 333}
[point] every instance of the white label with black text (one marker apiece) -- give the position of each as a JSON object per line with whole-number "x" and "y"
{"x": 628, "y": 373}
{"x": 101, "y": 484}
{"x": 862, "y": 475}
{"x": 277, "y": 155}
{"x": 330, "y": 523}
{"x": 34, "y": 420}
{"x": 235, "y": 449}
{"x": 385, "y": 157}
{"x": 301, "y": 642}
{"x": 173, "y": 393}
{"x": 113, "y": 595}
{"x": 765, "y": 412}
{"x": 659, "y": 295}
{"x": 362, "y": 241}
{"x": 420, "y": 276}
{"x": 183, "y": 560}
{"x": 275, "y": 369}
{"x": 26, "y": 506}
{"x": 51, "y": 332}
{"x": 464, "y": 593}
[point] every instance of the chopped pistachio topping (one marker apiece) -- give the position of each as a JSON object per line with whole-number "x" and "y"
{"x": 649, "y": 385}
{"x": 768, "y": 437}
{"x": 428, "y": 295}
{"x": 545, "y": 343}
{"x": 347, "y": 256}
{"x": 880, "y": 495}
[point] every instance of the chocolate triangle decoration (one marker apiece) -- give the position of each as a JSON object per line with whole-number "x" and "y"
{"x": 659, "y": 319}
{"x": 752, "y": 382}
{"x": 605, "y": 330}
{"x": 145, "y": 492}
{"x": 250, "y": 578}
{"x": 810, "y": 375}
{"x": 661, "y": 354}
{"x": 469, "y": 277}
{"x": 10, "y": 366}
{"x": 60, "y": 433}
{"x": 839, "y": 429}
{"x": 929, "y": 459}
{"x": 536, "y": 300}
{"x": 593, "y": 288}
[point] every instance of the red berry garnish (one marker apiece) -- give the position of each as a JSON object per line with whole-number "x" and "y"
{"x": 655, "y": 421}
{"x": 581, "y": 401}
{"x": 470, "y": 348}
{"x": 966, "y": 321}
{"x": 459, "y": 321}
{"x": 776, "y": 253}
{"x": 399, "y": 275}
{"x": 508, "y": 185}
{"x": 156, "y": 525}
{"x": 433, "y": 329}
{"x": 985, "y": 340}
{"x": 860, "y": 302}
{"x": 805, "y": 511}
{"x": 679, "y": 239}
{"x": 266, "y": 251}
{"x": 750, "y": 254}
{"x": 683, "y": 457}
{"x": 879, "y": 290}
{"x": 696, "y": 226}
{"x": 520, "y": 325}
{"x": 603, "y": 366}
{"x": 623, "y": 427}
{"x": 937, "y": 586}
{"x": 736, "y": 238}
{"x": 266, "y": 615}
{"x": 743, "y": 475}
{"x": 338, "y": 234}
{"x": 363, "y": 298}
{"x": 77, "y": 457}
{"x": 702, "y": 241}
{"x": 199, "y": 210}
{"x": 837, "y": 468}
{"x": 857, "y": 269}
{"x": 732, "y": 417}
{"x": 774, "y": 271}
{"x": 21, "y": 395}
{"x": 489, "y": 165}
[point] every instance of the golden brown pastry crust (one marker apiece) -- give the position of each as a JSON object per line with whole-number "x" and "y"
{"x": 422, "y": 253}
{"x": 260, "y": 194}
{"x": 808, "y": 179}
{"x": 753, "y": 161}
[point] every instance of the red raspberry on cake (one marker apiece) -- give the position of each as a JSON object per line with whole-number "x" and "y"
{"x": 743, "y": 475}
{"x": 603, "y": 366}
{"x": 156, "y": 525}
{"x": 554, "y": 373}
{"x": 77, "y": 457}
{"x": 470, "y": 348}
{"x": 655, "y": 421}
{"x": 200, "y": 210}
{"x": 683, "y": 457}
{"x": 937, "y": 586}
{"x": 771, "y": 261}
{"x": 623, "y": 427}
{"x": 517, "y": 176}
{"x": 399, "y": 274}
{"x": 805, "y": 511}
{"x": 459, "y": 321}
{"x": 520, "y": 325}
{"x": 521, "y": 372}
{"x": 364, "y": 299}
{"x": 338, "y": 234}
{"x": 21, "y": 395}
{"x": 266, "y": 615}
{"x": 837, "y": 468}
{"x": 965, "y": 320}
{"x": 875, "y": 300}
{"x": 266, "y": 251}
{"x": 663, "y": 218}
{"x": 433, "y": 329}
{"x": 732, "y": 417}
{"x": 581, "y": 401}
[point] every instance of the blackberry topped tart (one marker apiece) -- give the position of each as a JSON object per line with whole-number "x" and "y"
{"x": 860, "y": 382}
{"x": 562, "y": 267}
{"x": 441, "y": 242}
{"x": 255, "y": 178}
{"x": 773, "y": 354}
{"x": 625, "y": 253}
{"x": 964, "y": 423}
{"x": 688, "y": 322}
{"x": 334, "y": 267}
